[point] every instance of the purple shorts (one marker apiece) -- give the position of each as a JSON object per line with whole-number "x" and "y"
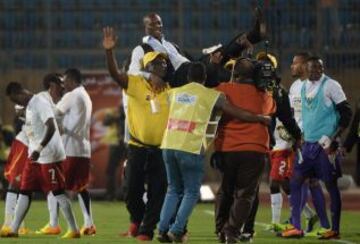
{"x": 316, "y": 163}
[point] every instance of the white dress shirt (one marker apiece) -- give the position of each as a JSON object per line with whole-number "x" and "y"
{"x": 164, "y": 46}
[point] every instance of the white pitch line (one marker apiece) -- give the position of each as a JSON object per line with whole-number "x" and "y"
{"x": 210, "y": 212}
{"x": 344, "y": 241}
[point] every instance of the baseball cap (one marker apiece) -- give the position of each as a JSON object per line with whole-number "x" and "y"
{"x": 270, "y": 57}
{"x": 230, "y": 63}
{"x": 151, "y": 56}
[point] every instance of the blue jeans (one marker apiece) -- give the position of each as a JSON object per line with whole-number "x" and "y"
{"x": 184, "y": 175}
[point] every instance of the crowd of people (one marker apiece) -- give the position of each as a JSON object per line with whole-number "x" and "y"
{"x": 172, "y": 101}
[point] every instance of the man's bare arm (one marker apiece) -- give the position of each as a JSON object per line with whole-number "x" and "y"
{"x": 109, "y": 42}
{"x": 50, "y": 130}
{"x": 239, "y": 113}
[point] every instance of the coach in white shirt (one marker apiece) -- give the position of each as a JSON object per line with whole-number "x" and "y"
{"x": 178, "y": 65}
{"x": 155, "y": 41}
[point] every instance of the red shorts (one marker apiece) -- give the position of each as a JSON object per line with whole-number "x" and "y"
{"x": 77, "y": 172}
{"x": 45, "y": 177}
{"x": 16, "y": 162}
{"x": 281, "y": 164}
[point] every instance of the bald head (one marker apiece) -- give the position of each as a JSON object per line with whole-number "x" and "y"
{"x": 244, "y": 68}
{"x": 150, "y": 16}
{"x": 153, "y": 25}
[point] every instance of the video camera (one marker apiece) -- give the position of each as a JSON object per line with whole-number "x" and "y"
{"x": 265, "y": 76}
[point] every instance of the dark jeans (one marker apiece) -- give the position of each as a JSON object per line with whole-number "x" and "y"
{"x": 145, "y": 166}
{"x": 241, "y": 176}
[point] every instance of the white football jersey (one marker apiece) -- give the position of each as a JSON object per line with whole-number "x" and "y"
{"x": 76, "y": 106}
{"x": 295, "y": 100}
{"x": 38, "y": 111}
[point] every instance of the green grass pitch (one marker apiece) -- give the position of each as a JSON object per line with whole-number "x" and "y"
{"x": 112, "y": 218}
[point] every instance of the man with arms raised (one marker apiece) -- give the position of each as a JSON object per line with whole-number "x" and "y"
{"x": 147, "y": 113}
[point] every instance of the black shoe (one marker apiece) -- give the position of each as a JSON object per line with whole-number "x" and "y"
{"x": 246, "y": 237}
{"x": 176, "y": 237}
{"x": 230, "y": 239}
{"x": 163, "y": 238}
{"x": 221, "y": 237}
{"x": 310, "y": 223}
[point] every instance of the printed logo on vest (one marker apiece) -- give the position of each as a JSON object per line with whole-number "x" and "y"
{"x": 181, "y": 125}
{"x": 185, "y": 98}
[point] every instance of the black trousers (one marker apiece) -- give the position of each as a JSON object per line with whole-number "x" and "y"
{"x": 215, "y": 74}
{"x": 179, "y": 76}
{"x": 145, "y": 166}
{"x": 117, "y": 154}
{"x": 241, "y": 176}
{"x": 222, "y": 209}
{"x": 357, "y": 170}
{"x": 249, "y": 226}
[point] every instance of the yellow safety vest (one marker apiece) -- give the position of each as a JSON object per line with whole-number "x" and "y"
{"x": 190, "y": 110}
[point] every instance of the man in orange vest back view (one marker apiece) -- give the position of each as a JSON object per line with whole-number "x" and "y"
{"x": 191, "y": 107}
{"x": 243, "y": 147}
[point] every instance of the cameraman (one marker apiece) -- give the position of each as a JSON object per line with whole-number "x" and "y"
{"x": 242, "y": 150}
{"x": 267, "y": 79}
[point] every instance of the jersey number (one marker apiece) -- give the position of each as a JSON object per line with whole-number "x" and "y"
{"x": 52, "y": 175}
{"x": 282, "y": 167}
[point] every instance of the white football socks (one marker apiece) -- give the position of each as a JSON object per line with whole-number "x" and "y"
{"x": 22, "y": 206}
{"x": 10, "y": 204}
{"x": 65, "y": 207}
{"x": 276, "y": 206}
{"x": 85, "y": 204}
{"x": 53, "y": 209}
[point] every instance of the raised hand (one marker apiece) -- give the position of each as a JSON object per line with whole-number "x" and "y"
{"x": 109, "y": 40}
{"x": 259, "y": 15}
